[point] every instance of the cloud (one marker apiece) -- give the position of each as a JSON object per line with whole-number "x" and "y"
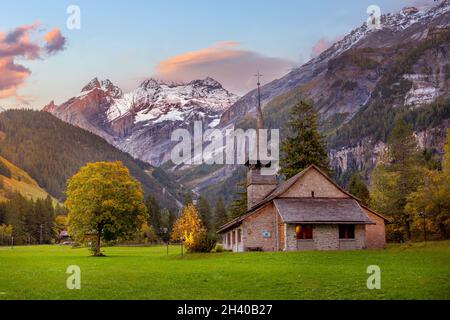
{"x": 227, "y": 63}
{"x": 19, "y": 44}
{"x": 323, "y": 44}
{"x": 55, "y": 42}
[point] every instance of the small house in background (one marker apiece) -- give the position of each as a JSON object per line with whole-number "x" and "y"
{"x": 64, "y": 237}
{"x": 307, "y": 212}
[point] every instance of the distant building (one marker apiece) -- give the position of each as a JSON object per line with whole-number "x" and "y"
{"x": 306, "y": 212}
{"x": 64, "y": 236}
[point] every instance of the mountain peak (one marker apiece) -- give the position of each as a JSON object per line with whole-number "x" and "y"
{"x": 207, "y": 82}
{"x": 94, "y": 83}
{"x": 105, "y": 85}
{"x": 150, "y": 83}
{"x": 50, "y": 107}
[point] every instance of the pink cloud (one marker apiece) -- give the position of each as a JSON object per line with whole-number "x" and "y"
{"x": 55, "y": 42}
{"x": 18, "y": 44}
{"x": 226, "y": 62}
{"x": 322, "y": 45}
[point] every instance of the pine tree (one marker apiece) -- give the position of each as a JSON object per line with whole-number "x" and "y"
{"x": 239, "y": 206}
{"x": 404, "y": 160}
{"x": 205, "y": 213}
{"x": 394, "y": 181}
{"x": 154, "y": 213}
{"x": 188, "y": 198}
{"x": 358, "y": 188}
{"x": 220, "y": 213}
{"x": 304, "y": 144}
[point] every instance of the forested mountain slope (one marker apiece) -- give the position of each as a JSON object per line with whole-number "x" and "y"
{"x": 52, "y": 151}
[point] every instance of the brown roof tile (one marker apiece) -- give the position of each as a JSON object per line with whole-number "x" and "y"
{"x": 321, "y": 210}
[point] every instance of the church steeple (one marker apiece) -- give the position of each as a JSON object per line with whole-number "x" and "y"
{"x": 258, "y": 185}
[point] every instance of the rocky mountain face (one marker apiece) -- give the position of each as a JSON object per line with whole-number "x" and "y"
{"x": 140, "y": 122}
{"x": 342, "y": 78}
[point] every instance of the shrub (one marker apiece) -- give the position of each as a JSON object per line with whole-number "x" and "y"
{"x": 205, "y": 243}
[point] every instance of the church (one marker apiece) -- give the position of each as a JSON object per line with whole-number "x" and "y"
{"x": 307, "y": 212}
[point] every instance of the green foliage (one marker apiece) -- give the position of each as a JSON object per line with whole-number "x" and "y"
{"x": 226, "y": 189}
{"x": 32, "y": 221}
{"x": 304, "y": 145}
{"x": 394, "y": 181}
{"x": 154, "y": 213}
{"x": 377, "y": 119}
{"x": 220, "y": 214}
{"x": 358, "y": 188}
{"x": 52, "y": 151}
{"x": 159, "y": 220}
{"x": 218, "y": 249}
{"x": 361, "y": 60}
{"x": 207, "y": 243}
{"x": 432, "y": 197}
{"x": 105, "y": 203}
{"x": 239, "y": 206}
{"x": 206, "y": 213}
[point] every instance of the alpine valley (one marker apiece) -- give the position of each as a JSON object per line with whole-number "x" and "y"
{"x": 360, "y": 86}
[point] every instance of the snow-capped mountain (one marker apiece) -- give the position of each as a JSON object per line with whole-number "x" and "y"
{"x": 409, "y": 26}
{"x": 141, "y": 121}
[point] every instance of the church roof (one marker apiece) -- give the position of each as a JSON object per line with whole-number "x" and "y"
{"x": 321, "y": 210}
{"x": 285, "y": 186}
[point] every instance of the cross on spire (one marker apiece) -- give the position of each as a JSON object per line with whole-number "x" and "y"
{"x": 259, "y": 116}
{"x": 258, "y": 76}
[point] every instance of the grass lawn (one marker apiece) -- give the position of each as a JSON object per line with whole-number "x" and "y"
{"x": 417, "y": 271}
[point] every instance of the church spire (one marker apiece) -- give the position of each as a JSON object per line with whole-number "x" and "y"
{"x": 259, "y": 115}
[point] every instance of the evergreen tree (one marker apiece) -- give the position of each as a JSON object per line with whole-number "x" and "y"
{"x": 358, "y": 188}
{"x": 220, "y": 213}
{"x": 404, "y": 160}
{"x": 188, "y": 198}
{"x": 166, "y": 225}
{"x": 394, "y": 181}
{"x": 205, "y": 213}
{"x": 154, "y": 213}
{"x": 304, "y": 144}
{"x": 239, "y": 206}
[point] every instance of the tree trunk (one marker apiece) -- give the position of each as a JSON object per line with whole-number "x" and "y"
{"x": 97, "y": 252}
{"x": 408, "y": 231}
{"x": 97, "y": 246}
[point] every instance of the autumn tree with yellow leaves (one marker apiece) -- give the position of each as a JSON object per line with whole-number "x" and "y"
{"x": 190, "y": 229}
{"x": 105, "y": 203}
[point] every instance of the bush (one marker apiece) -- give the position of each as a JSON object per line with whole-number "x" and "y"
{"x": 205, "y": 243}
{"x": 219, "y": 248}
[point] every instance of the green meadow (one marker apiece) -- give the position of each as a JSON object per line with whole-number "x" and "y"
{"x": 408, "y": 271}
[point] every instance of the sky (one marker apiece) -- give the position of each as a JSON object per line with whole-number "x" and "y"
{"x": 43, "y": 58}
